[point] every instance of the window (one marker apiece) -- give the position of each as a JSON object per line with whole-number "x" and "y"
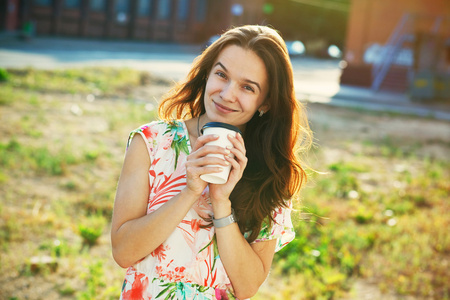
{"x": 163, "y": 9}
{"x": 121, "y": 10}
{"x": 122, "y": 6}
{"x": 200, "y": 13}
{"x": 42, "y": 2}
{"x": 144, "y": 8}
{"x": 183, "y": 10}
{"x": 97, "y": 5}
{"x": 71, "y": 3}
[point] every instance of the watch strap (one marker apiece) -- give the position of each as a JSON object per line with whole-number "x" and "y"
{"x": 222, "y": 222}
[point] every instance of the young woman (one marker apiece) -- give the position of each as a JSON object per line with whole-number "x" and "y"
{"x": 182, "y": 238}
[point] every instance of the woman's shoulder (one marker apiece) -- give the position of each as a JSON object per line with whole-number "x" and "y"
{"x": 154, "y": 125}
{"x": 154, "y": 129}
{"x": 149, "y": 131}
{"x": 159, "y": 125}
{"x": 158, "y": 129}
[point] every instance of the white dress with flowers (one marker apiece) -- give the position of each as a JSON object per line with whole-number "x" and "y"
{"x": 187, "y": 265}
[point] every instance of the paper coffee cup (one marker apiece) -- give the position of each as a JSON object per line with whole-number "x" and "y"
{"x": 222, "y": 130}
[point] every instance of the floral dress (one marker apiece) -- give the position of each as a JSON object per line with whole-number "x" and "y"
{"x": 187, "y": 265}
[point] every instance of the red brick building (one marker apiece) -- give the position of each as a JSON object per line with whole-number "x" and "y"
{"x": 389, "y": 41}
{"x": 158, "y": 20}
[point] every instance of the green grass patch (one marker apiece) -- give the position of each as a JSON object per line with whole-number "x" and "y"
{"x": 91, "y": 228}
{"x": 40, "y": 159}
{"x": 97, "y": 80}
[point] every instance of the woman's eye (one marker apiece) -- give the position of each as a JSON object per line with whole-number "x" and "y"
{"x": 249, "y": 88}
{"x": 221, "y": 74}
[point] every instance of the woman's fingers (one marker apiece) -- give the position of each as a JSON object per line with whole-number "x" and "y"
{"x": 208, "y": 161}
{"x": 203, "y": 140}
{"x": 238, "y": 149}
{"x": 210, "y": 151}
{"x": 196, "y": 171}
{"x": 238, "y": 142}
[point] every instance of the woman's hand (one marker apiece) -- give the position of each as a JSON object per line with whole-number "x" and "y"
{"x": 197, "y": 163}
{"x": 221, "y": 192}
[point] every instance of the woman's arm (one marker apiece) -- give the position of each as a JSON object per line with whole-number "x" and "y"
{"x": 247, "y": 265}
{"x": 134, "y": 234}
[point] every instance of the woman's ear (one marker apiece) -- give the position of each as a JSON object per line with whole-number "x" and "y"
{"x": 265, "y": 107}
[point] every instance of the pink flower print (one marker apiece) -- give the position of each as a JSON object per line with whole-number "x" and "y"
{"x": 150, "y": 132}
{"x": 158, "y": 270}
{"x": 159, "y": 252}
{"x": 173, "y": 275}
{"x": 167, "y": 142}
{"x": 138, "y": 288}
{"x": 221, "y": 294}
{"x": 195, "y": 225}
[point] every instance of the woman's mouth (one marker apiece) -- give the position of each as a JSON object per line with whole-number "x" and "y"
{"x": 223, "y": 108}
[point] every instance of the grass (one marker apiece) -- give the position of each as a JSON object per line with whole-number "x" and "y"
{"x": 376, "y": 211}
{"x": 97, "y": 81}
{"x": 395, "y": 232}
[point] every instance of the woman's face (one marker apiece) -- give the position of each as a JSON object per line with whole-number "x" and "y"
{"x": 236, "y": 88}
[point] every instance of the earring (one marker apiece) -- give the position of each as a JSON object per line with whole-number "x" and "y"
{"x": 261, "y": 113}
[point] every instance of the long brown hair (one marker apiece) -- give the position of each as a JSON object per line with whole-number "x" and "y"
{"x": 273, "y": 174}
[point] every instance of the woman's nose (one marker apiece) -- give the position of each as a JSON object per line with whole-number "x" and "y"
{"x": 228, "y": 92}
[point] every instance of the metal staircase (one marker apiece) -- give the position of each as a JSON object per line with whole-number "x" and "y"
{"x": 386, "y": 74}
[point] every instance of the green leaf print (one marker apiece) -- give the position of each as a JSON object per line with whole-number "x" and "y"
{"x": 203, "y": 289}
{"x": 172, "y": 286}
{"x": 215, "y": 252}
{"x": 206, "y": 246}
{"x": 180, "y": 141}
{"x": 181, "y": 290}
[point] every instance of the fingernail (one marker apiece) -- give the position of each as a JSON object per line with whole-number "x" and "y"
{"x": 227, "y": 151}
{"x": 231, "y": 136}
{"x": 228, "y": 148}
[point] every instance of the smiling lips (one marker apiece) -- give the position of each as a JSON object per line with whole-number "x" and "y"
{"x": 223, "y": 108}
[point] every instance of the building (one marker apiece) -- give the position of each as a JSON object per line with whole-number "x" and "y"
{"x": 9, "y": 15}
{"x": 393, "y": 45}
{"x": 152, "y": 20}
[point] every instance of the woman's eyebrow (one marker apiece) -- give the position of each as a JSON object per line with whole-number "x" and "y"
{"x": 221, "y": 65}
{"x": 246, "y": 80}
{"x": 253, "y": 82}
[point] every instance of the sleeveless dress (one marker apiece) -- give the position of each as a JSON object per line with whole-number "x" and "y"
{"x": 187, "y": 265}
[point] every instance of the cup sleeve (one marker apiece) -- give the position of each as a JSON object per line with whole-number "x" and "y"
{"x": 282, "y": 229}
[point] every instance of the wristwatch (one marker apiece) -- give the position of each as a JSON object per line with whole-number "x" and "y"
{"x": 222, "y": 222}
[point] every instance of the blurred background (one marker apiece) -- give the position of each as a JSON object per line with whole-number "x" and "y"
{"x": 374, "y": 76}
{"x": 400, "y": 46}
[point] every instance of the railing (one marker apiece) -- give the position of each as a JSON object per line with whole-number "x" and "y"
{"x": 401, "y": 34}
{"x": 390, "y": 51}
